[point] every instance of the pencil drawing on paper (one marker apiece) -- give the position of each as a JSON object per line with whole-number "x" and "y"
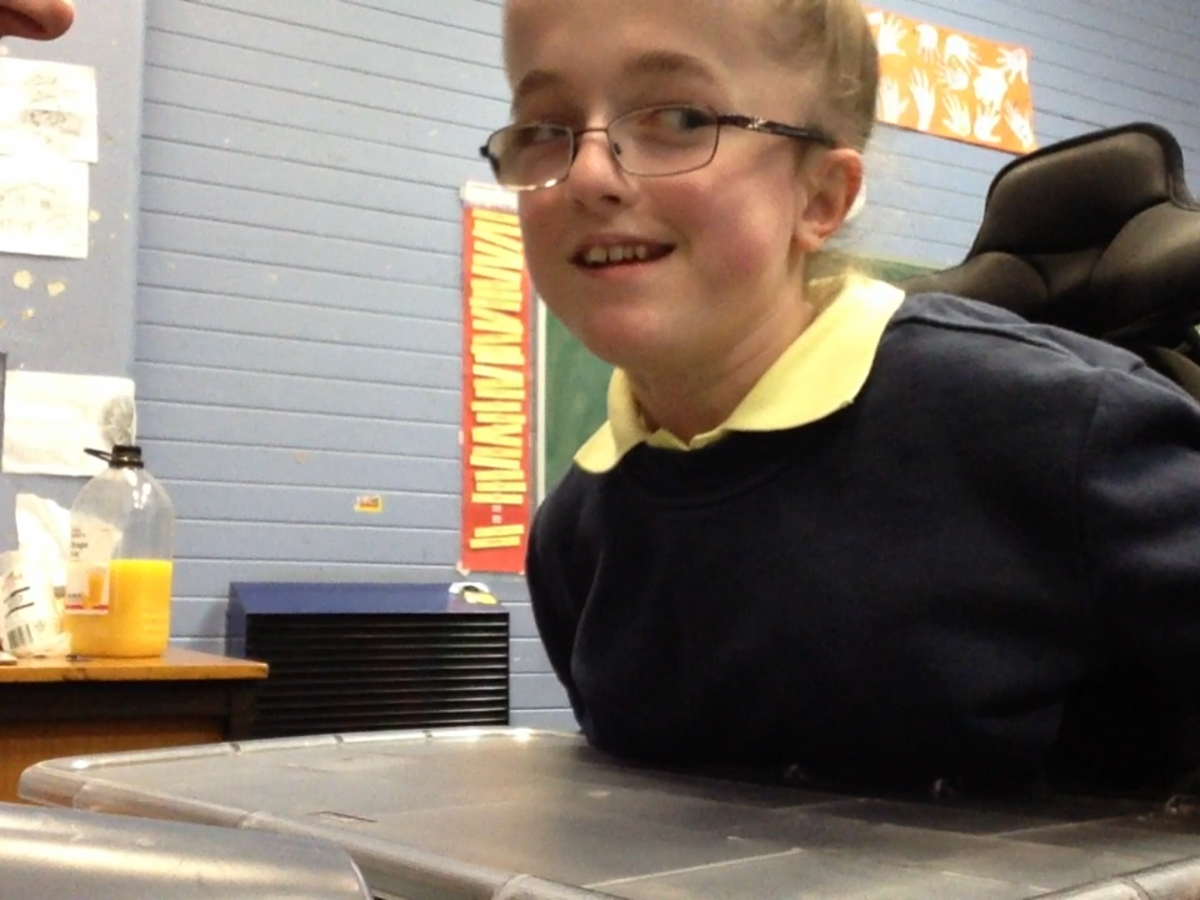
{"x": 43, "y": 207}
{"x": 48, "y": 107}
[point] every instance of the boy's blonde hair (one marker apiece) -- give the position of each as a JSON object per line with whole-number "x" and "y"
{"x": 833, "y": 35}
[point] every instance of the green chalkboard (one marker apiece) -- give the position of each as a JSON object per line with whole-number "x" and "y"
{"x": 576, "y": 390}
{"x": 576, "y": 383}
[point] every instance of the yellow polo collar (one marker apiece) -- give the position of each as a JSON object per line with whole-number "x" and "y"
{"x": 821, "y": 372}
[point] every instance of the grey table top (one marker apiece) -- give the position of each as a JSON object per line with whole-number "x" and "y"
{"x": 511, "y": 813}
{"x": 74, "y": 855}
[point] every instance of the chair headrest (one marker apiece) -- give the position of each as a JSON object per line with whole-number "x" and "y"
{"x": 1098, "y": 234}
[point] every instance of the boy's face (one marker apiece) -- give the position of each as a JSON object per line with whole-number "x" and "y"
{"x": 40, "y": 20}
{"x": 724, "y": 243}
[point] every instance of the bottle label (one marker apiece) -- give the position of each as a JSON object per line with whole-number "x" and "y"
{"x": 92, "y": 545}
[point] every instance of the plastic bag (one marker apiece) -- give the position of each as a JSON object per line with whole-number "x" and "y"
{"x": 32, "y": 621}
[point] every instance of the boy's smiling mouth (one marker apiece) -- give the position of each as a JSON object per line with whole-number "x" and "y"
{"x": 595, "y": 256}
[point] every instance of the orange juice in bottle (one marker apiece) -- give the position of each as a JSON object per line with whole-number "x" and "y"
{"x": 119, "y": 574}
{"x": 97, "y": 588}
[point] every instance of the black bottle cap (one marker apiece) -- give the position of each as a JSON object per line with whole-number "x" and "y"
{"x": 123, "y": 456}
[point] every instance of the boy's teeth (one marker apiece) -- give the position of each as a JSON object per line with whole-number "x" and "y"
{"x": 598, "y": 256}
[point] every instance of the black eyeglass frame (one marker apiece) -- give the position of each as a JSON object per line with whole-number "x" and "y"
{"x": 733, "y": 120}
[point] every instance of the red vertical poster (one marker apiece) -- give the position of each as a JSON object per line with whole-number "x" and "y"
{"x": 497, "y": 438}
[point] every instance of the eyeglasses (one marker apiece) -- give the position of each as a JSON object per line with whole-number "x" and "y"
{"x": 649, "y": 142}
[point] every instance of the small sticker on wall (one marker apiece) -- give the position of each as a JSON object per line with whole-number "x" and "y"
{"x": 368, "y": 503}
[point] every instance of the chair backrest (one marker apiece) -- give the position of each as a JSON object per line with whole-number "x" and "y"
{"x": 1098, "y": 234}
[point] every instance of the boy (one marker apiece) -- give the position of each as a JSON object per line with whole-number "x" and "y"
{"x": 881, "y": 539}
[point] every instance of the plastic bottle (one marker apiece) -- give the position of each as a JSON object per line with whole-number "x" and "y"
{"x": 119, "y": 573}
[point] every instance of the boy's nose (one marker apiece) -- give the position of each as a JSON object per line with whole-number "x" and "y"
{"x": 595, "y": 174}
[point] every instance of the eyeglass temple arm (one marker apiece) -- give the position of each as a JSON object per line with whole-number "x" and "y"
{"x": 766, "y": 126}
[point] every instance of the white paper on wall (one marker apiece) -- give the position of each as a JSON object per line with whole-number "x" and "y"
{"x": 43, "y": 207}
{"x": 49, "y": 418}
{"x": 48, "y": 108}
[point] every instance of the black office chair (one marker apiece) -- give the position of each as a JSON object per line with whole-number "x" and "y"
{"x": 1098, "y": 234}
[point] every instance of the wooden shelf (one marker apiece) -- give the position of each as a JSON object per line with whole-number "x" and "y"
{"x": 174, "y": 665}
{"x": 51, "y": 708}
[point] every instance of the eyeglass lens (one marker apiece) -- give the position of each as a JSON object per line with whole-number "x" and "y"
{"x": 661, "y": 140}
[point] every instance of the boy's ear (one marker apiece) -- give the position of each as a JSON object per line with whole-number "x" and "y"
{"x": 829, "y": 183}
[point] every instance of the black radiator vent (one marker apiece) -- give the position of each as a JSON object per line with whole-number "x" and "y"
{"x": 366, "y": 657}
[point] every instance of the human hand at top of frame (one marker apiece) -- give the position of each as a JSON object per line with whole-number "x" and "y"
{"x": 39, "y": 20}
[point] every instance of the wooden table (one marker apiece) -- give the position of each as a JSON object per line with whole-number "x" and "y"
{"x": 51, "y": 708}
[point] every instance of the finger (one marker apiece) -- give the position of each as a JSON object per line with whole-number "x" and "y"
{"x": 39, "y": 20}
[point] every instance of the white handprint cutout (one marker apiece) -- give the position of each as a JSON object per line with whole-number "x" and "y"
{"x": 1015, "y": 63}
{"x": 954, "y": 76}
{"x": 891, "y": 34}
{"x": 1021, "y": 126}
{"x": 875, "y": 18}
{"x": 925, "y": 96}
{"x": 959, "y": 50}
{"x": 958, "y": 117}
{"x": 990, "y": 86}
{"x": 985, "y": 124}
{"x": 891, "y": 105}
{"x": 928, "y": 39}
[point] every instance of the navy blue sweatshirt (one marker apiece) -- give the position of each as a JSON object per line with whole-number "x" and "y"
{"x": 987, "y": 568}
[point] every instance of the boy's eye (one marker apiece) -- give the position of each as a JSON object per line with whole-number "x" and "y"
{"x": 674, "y": 119}
{"x": 536, "y": 135}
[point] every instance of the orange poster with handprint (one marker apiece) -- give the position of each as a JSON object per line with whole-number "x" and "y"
{"x": 943, "y": 82}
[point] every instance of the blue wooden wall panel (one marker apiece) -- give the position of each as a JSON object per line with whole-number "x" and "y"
{"x": 210, "y": 277}
{"x": 303, "y": 215}
{"x": 169, "y": 423}
{"x": 204, "y": 579}
{"x": 299, "y": 328}
{"x": 312, "y": 48}
{"x": 432, "y": 340}
{"x": 282, "y": 246}
{"x": 283, "y": 131}
{"x": 426, "y": 120}
{"x": 186, "y": 162}
{"x": 238, "y": 502}
{"x": 295, "y": 393}
{"x": 367, "y": 103}
{"x": 283, "y": 542}
{"x": 442, "y": 29}
{"x": 221, "y": 464}
{"x": 321, "y": 357}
